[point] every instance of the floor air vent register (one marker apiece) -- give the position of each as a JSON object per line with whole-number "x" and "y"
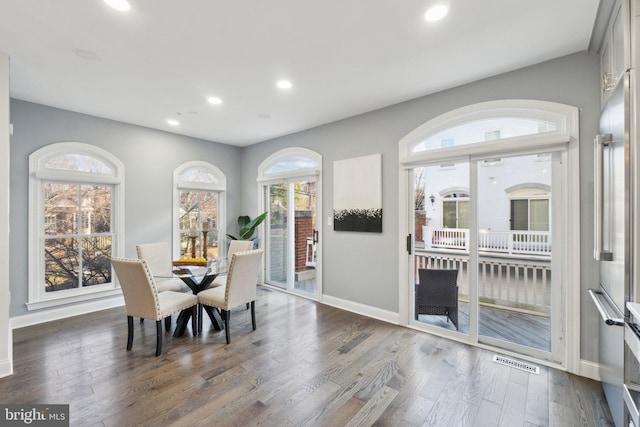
{"x": 528, "y": 367}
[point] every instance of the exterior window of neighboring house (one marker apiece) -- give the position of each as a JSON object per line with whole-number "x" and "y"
{"x": 199, "y": 207}
{"x": 529, "y": 209}
{"x": 455, "y": 210}
{"x": 76, "y": 203}
{"x": 493, "y": 135}
{"x": 530, "y": 214}
{"x": 446, "y": 142}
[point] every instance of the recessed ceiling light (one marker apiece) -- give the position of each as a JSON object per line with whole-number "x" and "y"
{"x": 436, "y": 12}
{"x": 284, "y": 84}
{"x": 214, "y": 100}
{"x": 121, "y": 5}
{"x": 173, "y": 122}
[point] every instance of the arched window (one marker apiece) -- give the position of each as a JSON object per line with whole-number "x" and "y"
{"x": 290, "y": 162}
{"x": 75, "y": 223}
{"x": 490, "y": 127}
{"x": 199, "y": 208}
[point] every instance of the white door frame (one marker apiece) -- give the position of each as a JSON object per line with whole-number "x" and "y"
{"x": 287, "y": 166}
{"x": 565, "y": 135}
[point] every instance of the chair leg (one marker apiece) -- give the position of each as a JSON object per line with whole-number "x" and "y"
{"x": 194, "y": 320}
{"x": 226, "y": 316}
{"x": 453, "y": 315}
{"x": 253, "y": 314}
{"x": 130, "y": 332}
{"x": 158, "y": 337}
{"x": 167, "y": 323}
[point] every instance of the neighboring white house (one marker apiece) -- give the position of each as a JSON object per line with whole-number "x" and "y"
{"x": 514, "y": 194}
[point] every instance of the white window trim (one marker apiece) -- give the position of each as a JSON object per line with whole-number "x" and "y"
{"x": 566, "y": 135}
{"x": 38, "y": 298}
{"x": 219, "y": 187}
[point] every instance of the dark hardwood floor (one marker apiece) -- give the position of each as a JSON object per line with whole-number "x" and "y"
{"x": 307, "y": 364}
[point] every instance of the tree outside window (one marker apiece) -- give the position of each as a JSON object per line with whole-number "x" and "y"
{"x": 196, "y": 208}
{"x": 75, "y": 216}
{"x": 77, "y": 243}
{"x": 199, "y": 205}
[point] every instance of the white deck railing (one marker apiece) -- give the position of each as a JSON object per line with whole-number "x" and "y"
{"x": 517, "y": 284}
{"x": 506, "y": 242}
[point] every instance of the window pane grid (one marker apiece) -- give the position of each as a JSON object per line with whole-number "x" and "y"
{"x": 77, "y": 224}
{"x": 197, "y": 207}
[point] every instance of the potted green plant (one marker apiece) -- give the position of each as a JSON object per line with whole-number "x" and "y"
{"x": 248, "y": 227}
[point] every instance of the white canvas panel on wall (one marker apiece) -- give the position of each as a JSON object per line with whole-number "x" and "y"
{"x": 357, "y": 194}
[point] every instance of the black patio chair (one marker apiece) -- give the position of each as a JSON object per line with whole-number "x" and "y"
{"x": 437, "y": 294}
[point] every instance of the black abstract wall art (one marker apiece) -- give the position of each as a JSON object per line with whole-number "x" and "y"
{"x": 357, "y": 194}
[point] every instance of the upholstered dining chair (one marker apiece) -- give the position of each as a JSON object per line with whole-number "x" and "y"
{"x": 234, "y": 246}
{"x": 240, "y": 288}
{"x": 158, "y": 257}
{"x": 142, "y": 299}
{"x": 437, "y": 293}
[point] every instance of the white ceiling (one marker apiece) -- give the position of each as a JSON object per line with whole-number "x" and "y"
{"x": 163, "y": 58}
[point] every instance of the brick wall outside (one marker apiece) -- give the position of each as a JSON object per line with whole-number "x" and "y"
{"x": 421, "y": 220}
{"x": 303, "y": 229}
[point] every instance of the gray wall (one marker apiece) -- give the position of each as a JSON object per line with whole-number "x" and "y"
{"x": 363, "y": 267}
{"x": 149, "y": 156}
{"x": 358, "y": 267}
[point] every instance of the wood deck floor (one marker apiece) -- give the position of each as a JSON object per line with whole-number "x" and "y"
{"x": 507, "y": 325}
{"x": 307, "y": 364}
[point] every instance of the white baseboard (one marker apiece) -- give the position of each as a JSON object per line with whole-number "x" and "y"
{"x": 589, "y": 369}
{"x": 6, "y": 365}
{"x": 63, "y": 312}
{"x": 365, "y": 310}
{"x": 6, "y": 368}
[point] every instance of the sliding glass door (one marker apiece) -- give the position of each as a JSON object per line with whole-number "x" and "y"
{"x": 441, "y": 268}
{"x": 292, "y": 235}
{"x": 492, "y": 193}
{"x": 484, "y": 263}
{"x": 277, "y": 234}
{"x": 516, "y": 277}
{"x": 290, "y": 183}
